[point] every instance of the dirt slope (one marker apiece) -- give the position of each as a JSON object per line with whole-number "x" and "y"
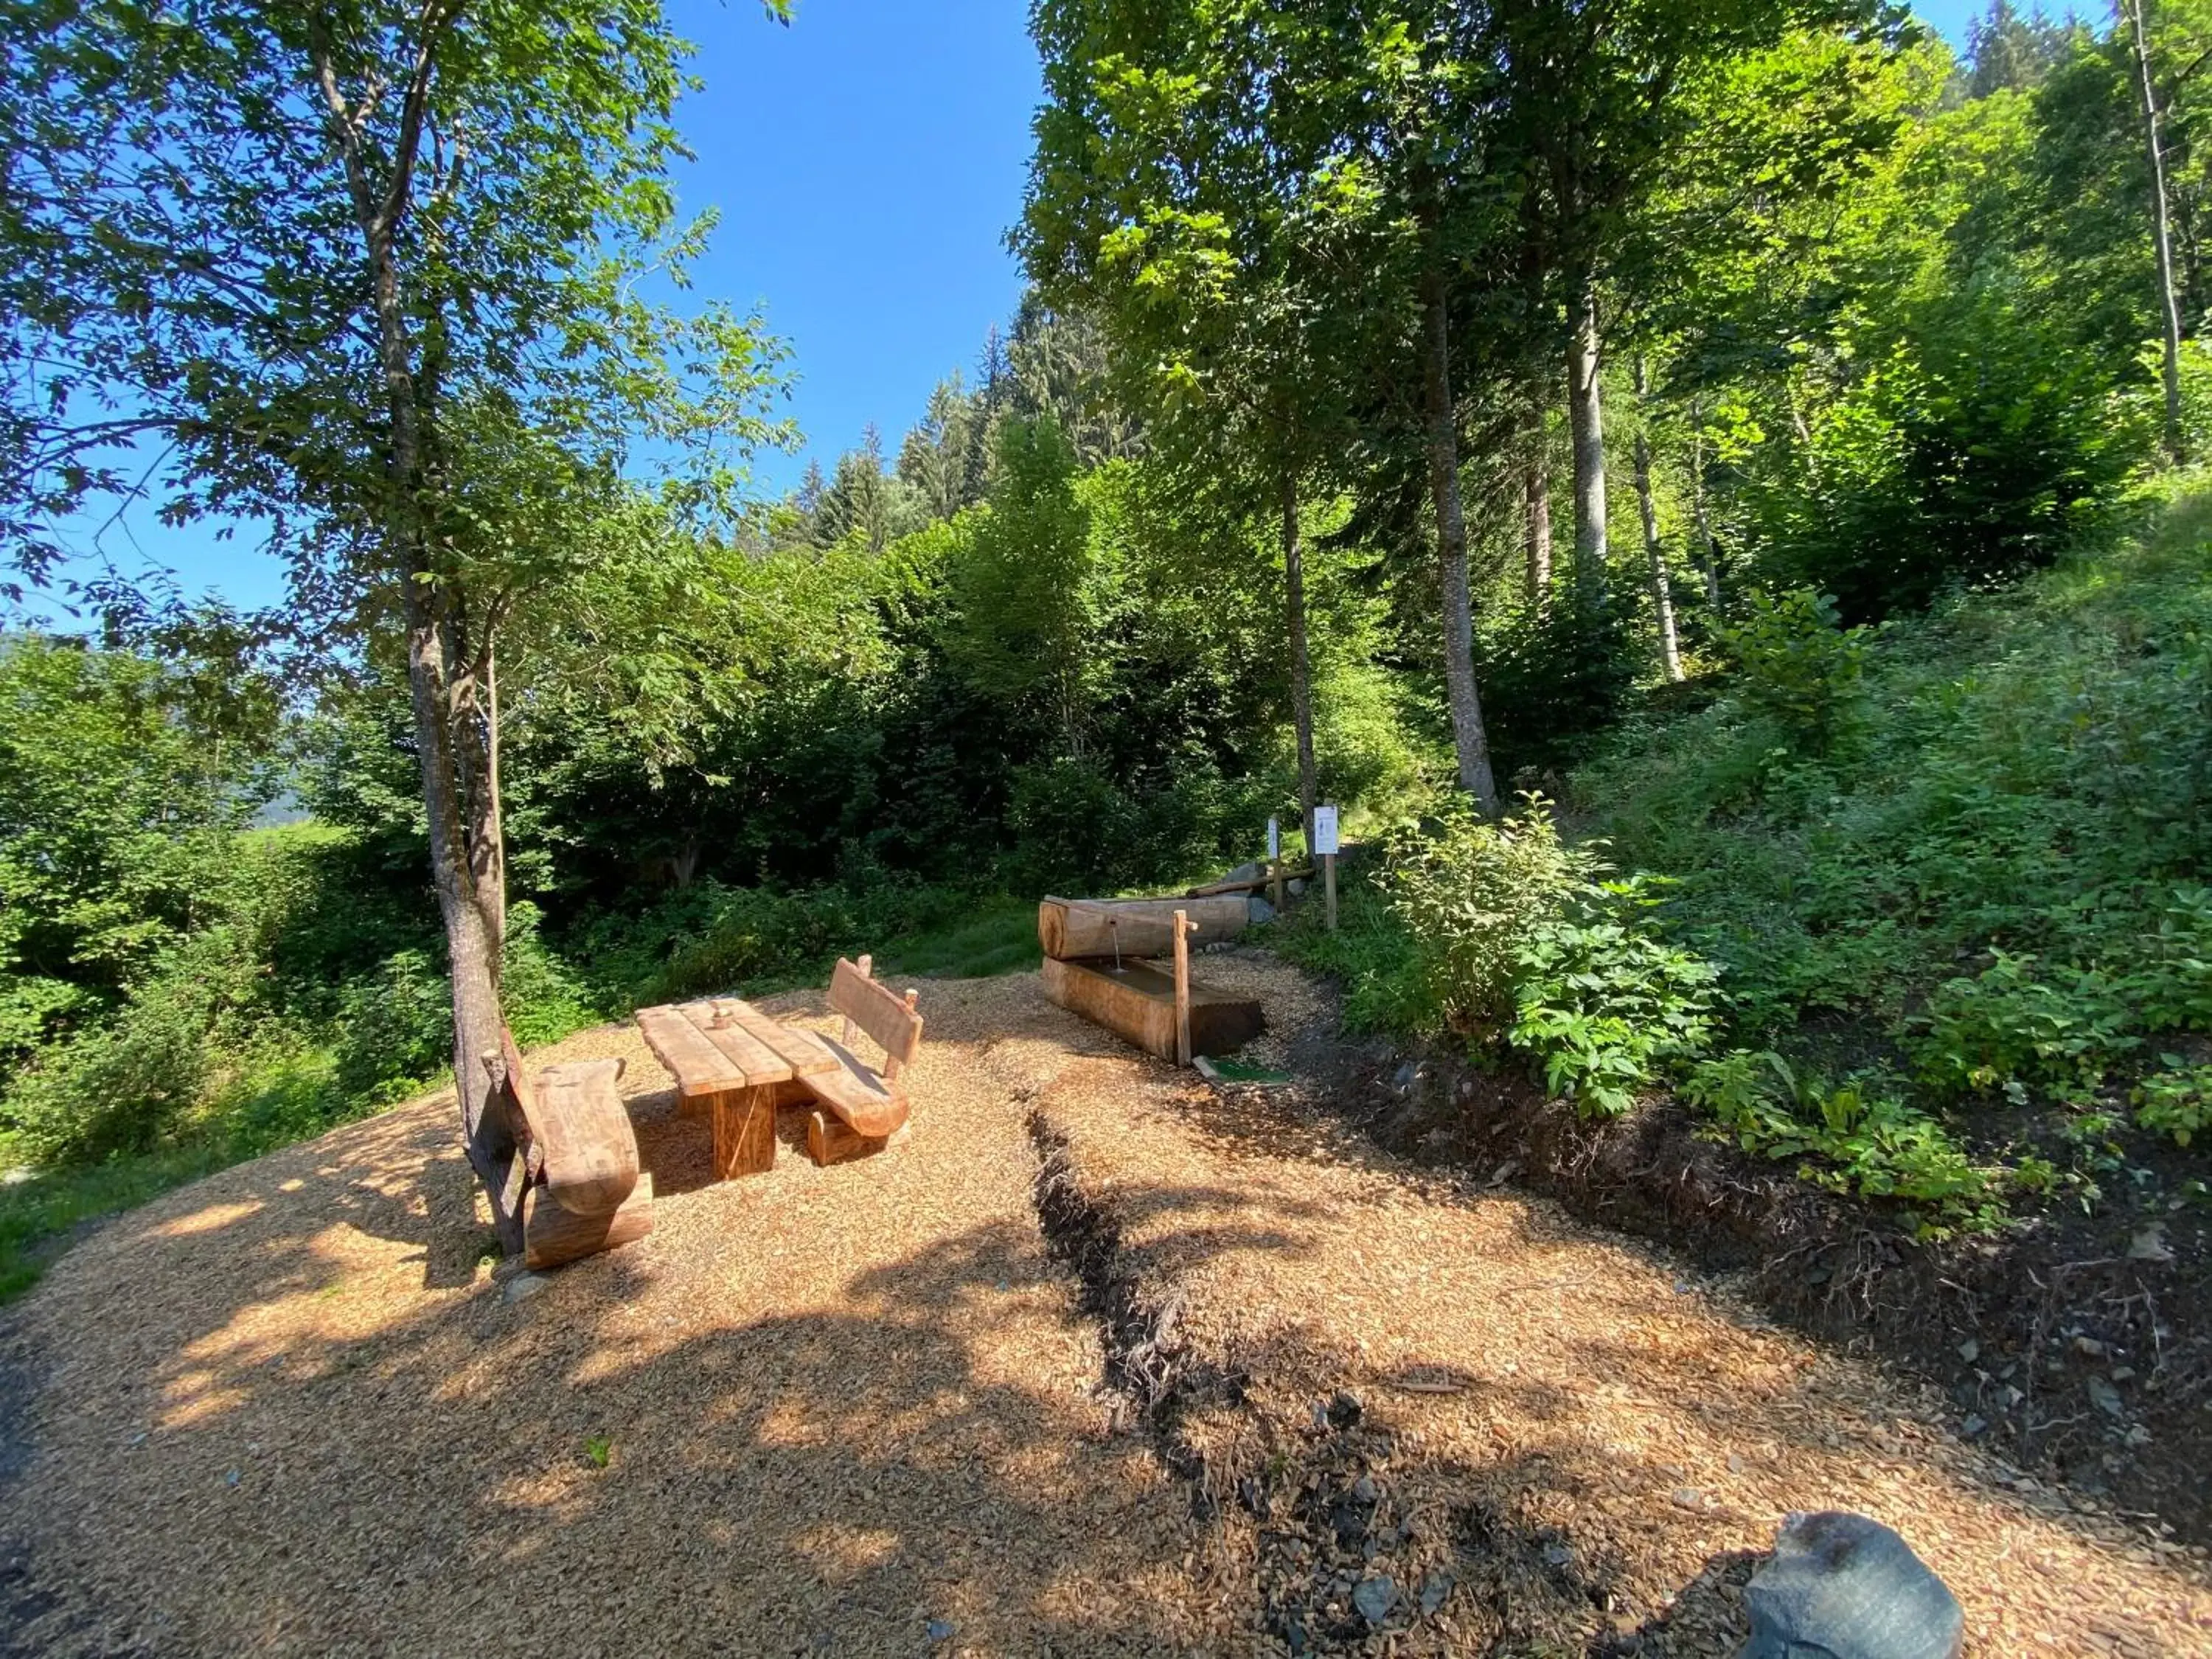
{"x": 1251, "y": 1366}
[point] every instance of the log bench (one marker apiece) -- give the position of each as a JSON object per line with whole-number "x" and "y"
{"x": 575, "y": 1157}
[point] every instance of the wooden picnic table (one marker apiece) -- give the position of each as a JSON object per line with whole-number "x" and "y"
{"x": 736, "y": 1062}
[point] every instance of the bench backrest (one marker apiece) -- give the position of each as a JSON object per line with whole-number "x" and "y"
{"x": 874, "y": 1007}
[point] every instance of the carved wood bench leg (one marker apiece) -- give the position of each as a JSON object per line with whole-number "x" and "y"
{"x": 829, "y": 1140}
{"x": 745, "y": 1132}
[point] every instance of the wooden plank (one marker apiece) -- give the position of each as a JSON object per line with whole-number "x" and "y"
{"x": 877, "y": 1009}
{"x": 745, "y": 1132}
{"x": 800, "y": 1053}
{"x": 552, "y": 1233}
{"x": 858, "y": 1093}
{"x": 581, "y": 1126}
{"x": 698, "y": 1067}
{"x": 1138, "y": 1003}
{"x": 1071, "y": 929}
{"x": 723, "y": 1023}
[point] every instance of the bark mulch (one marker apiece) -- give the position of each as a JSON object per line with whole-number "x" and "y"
{"x": 1093, "y": 1360}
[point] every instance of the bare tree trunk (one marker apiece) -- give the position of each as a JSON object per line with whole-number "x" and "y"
{"x": 1663, "y": 590}
{"x": 1586, "y": 419}
{"x": 434, "y": 646}
{"x": 1294, "y": 603}
{"x": 1469, "y": 737}
{"x": 1536, "y": 493}
{"x": 1709, "y": 556}
{"x": 2169, "y": 302}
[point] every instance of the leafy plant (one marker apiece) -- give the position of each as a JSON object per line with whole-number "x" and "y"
{"x": 2176, "y": 1099}
{"x": 598, "y": 1450}
{"x": 1801, "y": 667}
{"x": 1601, "y": 1005}
{"x": 1857, "y": 1136}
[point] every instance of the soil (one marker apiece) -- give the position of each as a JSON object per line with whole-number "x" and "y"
{"x": 1094, "y": 1359}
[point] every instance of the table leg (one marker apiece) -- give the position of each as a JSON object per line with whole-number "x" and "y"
{"x": 745, "y": 1132}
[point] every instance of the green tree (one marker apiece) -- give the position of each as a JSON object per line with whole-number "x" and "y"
{"x": 368, "y": 271}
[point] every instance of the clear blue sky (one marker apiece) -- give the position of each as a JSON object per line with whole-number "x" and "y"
{"x": 867, "y": 162}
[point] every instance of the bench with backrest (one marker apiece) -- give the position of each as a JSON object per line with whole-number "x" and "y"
{"x": 576, "y": 1162}
{"x": 859, "y": 1106}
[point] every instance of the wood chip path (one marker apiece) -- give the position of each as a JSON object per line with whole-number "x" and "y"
{"x": 860, "y": 1410}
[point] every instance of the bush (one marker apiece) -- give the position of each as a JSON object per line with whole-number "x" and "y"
{"x": 1801, "y": 669}
{"x": 1554, "y": 678}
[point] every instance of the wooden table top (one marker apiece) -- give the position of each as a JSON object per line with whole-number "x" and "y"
{"x": 721, "y": 1043}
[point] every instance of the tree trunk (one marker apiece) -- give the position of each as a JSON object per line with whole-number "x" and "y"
{"x": 434, "y": 647}
{"x": 1663, "y": 591}
{"x": 1536, "y": 495}
{"x": 1586, "y": 417}
{"x": 1469, "y": 737}
{"x": 2169, "y": 302}
{"x": 1294, "y": 604}
{"x": 1708, "y": 555}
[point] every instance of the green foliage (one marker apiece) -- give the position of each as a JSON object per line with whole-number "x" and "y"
{"x": 1603, "y": 1006}
{"x": 1801, "y": 669}
{"x": 1857, "y": 1136}
{"x": 2176, "y": 1099}
{"x": 1554, "y": 677}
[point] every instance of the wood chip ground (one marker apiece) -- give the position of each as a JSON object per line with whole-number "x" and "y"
{"x": 860, "y": 1410}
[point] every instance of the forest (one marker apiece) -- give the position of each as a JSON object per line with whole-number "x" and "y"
{"x": 1709, "y": 489}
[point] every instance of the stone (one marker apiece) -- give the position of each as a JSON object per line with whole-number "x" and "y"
{"x": 1344, "y": 1410}
{"x": 523, "y": 1286}
{"x": 2149, "y": 1245}
{"x": 1970, "y": 1351}
{"x": 1375, "y": 1597}
{"x": 2106, "y": 1398}
{"x": 1434, "y": 1588}
{"x": 1260, "y": 910}
{"x": 941, "y": 1630}
{"x": 1296, "y": 887}
{"x": 1245, "y": 873}
{"x": 1841, "y": 1586}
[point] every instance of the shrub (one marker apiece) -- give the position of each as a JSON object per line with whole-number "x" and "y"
{"x": 1553, "y": 678}
{"x": 1800, "y": 668}
{"x": 2176, "y": 1099}
{"x": 1601, "y": 1005}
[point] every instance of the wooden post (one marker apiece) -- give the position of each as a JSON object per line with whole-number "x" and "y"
{"x": 745, "y": 1132}
{"x": 1328, "y": 885}
{"x": 1182, "y": 986}
{"x": 1277, "y": 887}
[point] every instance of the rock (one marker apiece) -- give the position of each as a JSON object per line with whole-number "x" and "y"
{"x": 1970, "y": 1351}
{"x": 1375, "y": 1597}
{"x": 1687, "y": 1498}
{"x": 1434, "y": 1588}
{"x": 1345, "y": 1410}
{"x": 1974, "y": 1427}
{"x": 523, "y": 1286}
{"x": 1840, "y": 1586}
{"x": 1258, "y": 910}
{"x": 2149, "y": 1245}
{"x": 2089, "y": 1347}
{"x": 1244, "y": 872}
{"x": 2106, "y": 1398}
{"x": 1364, "y": 1489}
{"x": 1295, "y": 888}
{"x": 941, "y": 1630}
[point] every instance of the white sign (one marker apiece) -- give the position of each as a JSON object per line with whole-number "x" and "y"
{"x": 1324, "y": 831}
{"x": 1274, "y": 839}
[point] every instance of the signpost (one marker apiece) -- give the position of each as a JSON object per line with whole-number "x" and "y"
{"x": 1324, "y": 848}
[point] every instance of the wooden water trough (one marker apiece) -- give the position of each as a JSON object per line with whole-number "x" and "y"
{"x": 1100, "y": 962}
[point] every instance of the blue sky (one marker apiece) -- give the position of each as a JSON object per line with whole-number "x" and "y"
{"x": 867, "y": 162}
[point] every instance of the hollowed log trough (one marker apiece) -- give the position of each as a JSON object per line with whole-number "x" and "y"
{"x": 1127, "y": 991}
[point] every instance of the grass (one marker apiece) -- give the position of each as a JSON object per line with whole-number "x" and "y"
{"x": 999, "y": 936}
{"x": 42, "y": 1211}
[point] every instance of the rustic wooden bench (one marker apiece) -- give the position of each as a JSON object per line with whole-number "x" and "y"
{"x": 865, "y": 1105}
{"x": 575, "y": 1163}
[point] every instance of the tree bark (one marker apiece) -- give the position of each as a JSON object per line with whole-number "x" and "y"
{"x": 1469, "y": 737}
{"x": 1663, "y": 590}
{"x": 433, "y": 638}
{"x": 1586, "y": 418}
{"x": 1536, "y": 497}
{"x": 2169, "y": 302}
{"x": 1294, "y": 604}
{"x": 1708, "y": 555}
